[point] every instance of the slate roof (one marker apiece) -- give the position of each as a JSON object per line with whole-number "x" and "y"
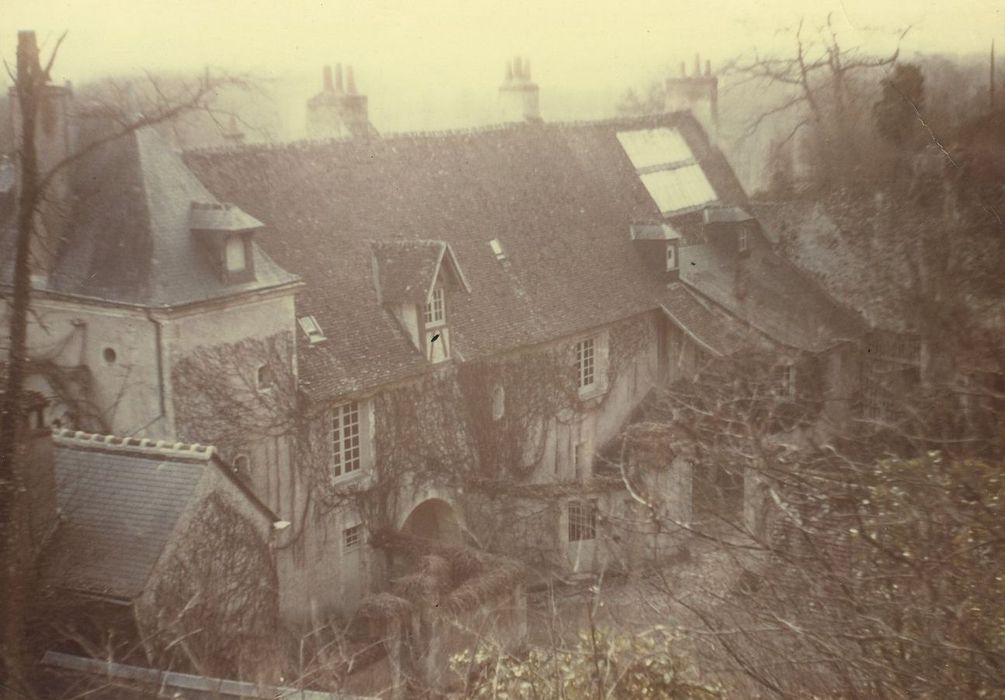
{"x": 129, "y": 239}
{"x": 559, "y": 197}
{"x": 120, "y": 502}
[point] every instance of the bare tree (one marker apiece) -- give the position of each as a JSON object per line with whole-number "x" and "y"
{"x": 35, "y": 181}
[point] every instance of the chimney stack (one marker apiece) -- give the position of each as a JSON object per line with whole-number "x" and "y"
{"x": 338, "y": 111}
{"x": 518, "y": 95}
{"x": 698, "y": 93}
{"x": 326, "y": 79}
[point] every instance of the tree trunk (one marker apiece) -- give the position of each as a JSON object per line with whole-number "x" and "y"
{"x": 14, "y": 547}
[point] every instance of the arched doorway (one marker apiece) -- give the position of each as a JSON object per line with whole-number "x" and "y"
{"x": 433, "y": 519}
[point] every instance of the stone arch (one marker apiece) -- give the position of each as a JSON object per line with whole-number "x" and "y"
{"x": 434, "y": 519}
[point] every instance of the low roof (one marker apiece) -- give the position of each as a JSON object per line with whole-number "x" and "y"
{"x": 560, "y": 198}
{"x": 120, "y": 502}
{"x": 768, "y": 293}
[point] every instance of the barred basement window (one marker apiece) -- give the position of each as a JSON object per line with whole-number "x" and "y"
{"x": 352, "y": 537}
{"x": 586, "y": 363}
{"x": 435, "y": 312}
{"x": 345, "y": 439}
{"x": 582, "y": 521}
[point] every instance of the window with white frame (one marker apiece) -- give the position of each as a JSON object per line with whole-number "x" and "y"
{"x": 345, "y": 439}
{"x": 352, "y": 538}
{"x": 435, "y": 309}
{"x": 586, "y": 363}
{"x": 582, "y": 521}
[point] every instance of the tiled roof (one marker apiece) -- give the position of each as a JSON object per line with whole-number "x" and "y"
{"x": 120, "y": 501}
{"x": 864, "y": 270}
{"x": 712, "y": 328}
{"x": 768, "y": 293}
{"x": 129, "y": 239}
{"x": 560, "y": 198}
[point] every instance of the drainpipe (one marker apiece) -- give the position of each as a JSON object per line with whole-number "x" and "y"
{"x": 159, "y": 353}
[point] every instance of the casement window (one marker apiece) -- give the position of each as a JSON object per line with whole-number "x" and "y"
{"x": 235, "y": 254}
{"x": 743, "y": 240}
{"x": 437, "y": 333}
{"x": 435, "y": 309}
{"x": 352, "y": 539}
{"x": 346, "y": 447}
{"x": 586, "y": 363}
{"x": 785, "y": 380}
{"x": 582, "y": 521}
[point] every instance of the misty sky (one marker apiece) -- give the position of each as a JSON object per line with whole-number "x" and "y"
{"x": 427, "y": 48}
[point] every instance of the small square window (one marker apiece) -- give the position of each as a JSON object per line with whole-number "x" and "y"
{"x": 586, "y": 363}
{"x": 435, "y": 311}
{"x": 582, "y": 521}
{"x": 352, "y": 538}
{"x": 265, "y": 378}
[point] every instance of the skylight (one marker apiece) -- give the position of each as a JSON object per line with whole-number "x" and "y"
{"x": 311, "y": 329}
{"x": 649, "y": 147}
{"x": 668, "y": 169}
{"x": 497, "y": 249}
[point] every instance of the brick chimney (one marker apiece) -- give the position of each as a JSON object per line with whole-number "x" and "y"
{"x": 698, "y": 93}
{"x": 518, "y": 94}
{"x": 338, "y": 111}
{"x": 54, "y": 141}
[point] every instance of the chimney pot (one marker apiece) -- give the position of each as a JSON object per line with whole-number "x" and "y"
{"x": 697, "y": 65}
{"x": 326, "y": 78}
{"x": 708, "y": 67}
{"x": 517, "y": 70}
{"x": 350, "y": 81}
{"x": 526, "y": 68}
{"x": 683, "y": 69}
{"x": 338, "y": 77}
{"x": 509, "y": 71}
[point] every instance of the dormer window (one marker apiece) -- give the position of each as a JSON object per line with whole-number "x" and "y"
{"x": 235, "y": 255}
{"x": 225, "y": 233}
{"x": 435, "y": 309}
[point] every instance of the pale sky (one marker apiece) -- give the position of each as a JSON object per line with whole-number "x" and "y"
{"x": 460, "y": 46}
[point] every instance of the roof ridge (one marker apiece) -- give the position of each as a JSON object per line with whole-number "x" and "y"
{"x": 433, "y": 133}
{"x": 132, "y": 445}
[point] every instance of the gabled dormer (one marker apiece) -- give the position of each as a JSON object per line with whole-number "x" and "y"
{"x": 730, "y": 229}
{"x": 658, "y": 244}
{"x": 226, "y": 233}
{"x": 416, "y": 280}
